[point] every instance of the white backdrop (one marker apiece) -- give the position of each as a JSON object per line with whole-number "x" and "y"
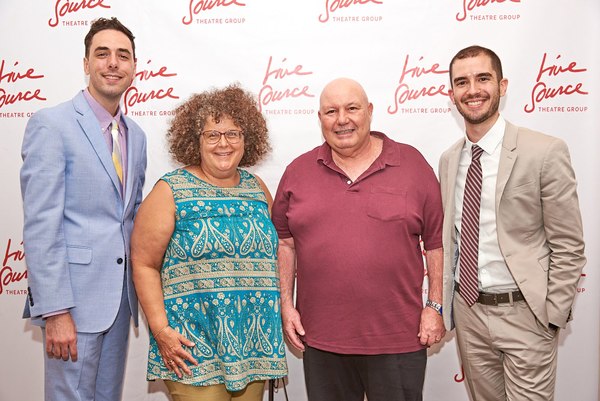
{"x": 285, "y": 51}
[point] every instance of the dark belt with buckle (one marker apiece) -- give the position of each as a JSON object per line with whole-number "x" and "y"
{"x": 496, "y": 299}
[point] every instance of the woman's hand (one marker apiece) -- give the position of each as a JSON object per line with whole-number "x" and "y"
{"x": 170, "y": 344}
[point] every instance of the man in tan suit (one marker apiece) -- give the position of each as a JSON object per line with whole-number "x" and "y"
{"x": 528, "y": 241}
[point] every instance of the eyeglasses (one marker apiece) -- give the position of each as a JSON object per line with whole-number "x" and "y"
{"x": 232, "y": 136}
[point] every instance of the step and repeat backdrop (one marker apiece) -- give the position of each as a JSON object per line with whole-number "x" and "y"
{"x": 285, "y": 51}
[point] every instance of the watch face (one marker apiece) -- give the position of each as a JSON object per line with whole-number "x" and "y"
{"x": 434, "y": 305}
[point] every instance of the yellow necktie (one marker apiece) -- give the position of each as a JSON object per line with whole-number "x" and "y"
{"x": 116, "y": 153}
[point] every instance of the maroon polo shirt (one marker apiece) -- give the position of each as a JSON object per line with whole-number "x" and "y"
{"x": 359, "y": 261}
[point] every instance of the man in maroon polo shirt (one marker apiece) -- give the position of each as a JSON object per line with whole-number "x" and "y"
{"x": 350, "y": 215}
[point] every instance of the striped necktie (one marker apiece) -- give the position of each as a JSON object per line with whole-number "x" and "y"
{"x": 116, "y": 152}
{"x": 469, "y": 230}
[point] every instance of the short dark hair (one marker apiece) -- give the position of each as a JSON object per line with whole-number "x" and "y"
{"x": 102, "y": 24}
{"x": 474, "y": 51}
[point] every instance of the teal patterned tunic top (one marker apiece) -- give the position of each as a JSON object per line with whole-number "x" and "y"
{"x": 220, "y": 283}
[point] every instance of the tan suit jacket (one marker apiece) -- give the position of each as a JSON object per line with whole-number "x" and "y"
{"x": 538, "y": 222}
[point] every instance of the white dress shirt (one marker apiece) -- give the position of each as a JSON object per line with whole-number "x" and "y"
{"x": 494, "y": 276}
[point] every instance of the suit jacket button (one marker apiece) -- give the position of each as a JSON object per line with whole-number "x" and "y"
{"x": 120, "y": 261}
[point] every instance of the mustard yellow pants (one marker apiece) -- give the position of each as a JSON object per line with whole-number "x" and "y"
{"x": 217, "y": 392}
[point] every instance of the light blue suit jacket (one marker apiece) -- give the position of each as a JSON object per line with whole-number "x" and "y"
{"x": 77, "y": 226}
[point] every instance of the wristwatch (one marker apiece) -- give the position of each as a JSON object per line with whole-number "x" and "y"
{"x": 434, "y": 305}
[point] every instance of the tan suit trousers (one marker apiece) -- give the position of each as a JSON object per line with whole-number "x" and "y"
{"x": 506, "y": 353}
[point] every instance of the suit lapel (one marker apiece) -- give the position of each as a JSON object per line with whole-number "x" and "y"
{"x": 448, "y": 171}
{"x": 450, "y": 198}
{"x": 508, "y": 157}
{"x": 453, "y": 161}
{"x": 89, "y": 124}
{"x": 131, "y": 162}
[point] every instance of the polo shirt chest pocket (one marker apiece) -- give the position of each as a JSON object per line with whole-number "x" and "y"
{"x": 386, "y": 204}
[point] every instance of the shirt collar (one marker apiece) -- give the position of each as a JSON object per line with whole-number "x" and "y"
{"x": 103, "y": 116}
{"x": 492, "y": 139}
{"x": 388, "y": 155}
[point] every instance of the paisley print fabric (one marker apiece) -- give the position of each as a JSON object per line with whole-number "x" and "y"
{"x": 220, "y": 283}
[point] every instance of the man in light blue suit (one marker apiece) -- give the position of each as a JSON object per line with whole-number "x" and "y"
{"x": 83, "y": 171}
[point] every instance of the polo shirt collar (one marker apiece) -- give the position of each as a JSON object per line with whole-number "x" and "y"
{"x": 389, "y": 156}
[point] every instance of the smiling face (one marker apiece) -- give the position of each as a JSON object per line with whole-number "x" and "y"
{"x": 220, "y": 160}
{"x": 110, "y": 65}
{"x": 345, "y": 115}
{"x": 476, "y": 91}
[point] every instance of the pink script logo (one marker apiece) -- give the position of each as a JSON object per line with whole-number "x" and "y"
{"x": 404, "y": 93}
{"x": 64, "y": 7}
{"x": 470, "y": 5}
{"x": 269, "y": 95}
{"x": 133, "y": 96}
{"x": 8, "y": 77}
{"x": 9, "y": 276}
{"x": 197, "y": 6}
{"x": 332, "y": 6}
{"x": 541, "y": 91}
{"x": 460, "y": 377}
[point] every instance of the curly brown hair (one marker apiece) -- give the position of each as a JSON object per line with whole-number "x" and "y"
{"x": 233, "y": 102}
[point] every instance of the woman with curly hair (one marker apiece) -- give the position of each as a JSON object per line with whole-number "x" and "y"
{"x": 204, "y": 255}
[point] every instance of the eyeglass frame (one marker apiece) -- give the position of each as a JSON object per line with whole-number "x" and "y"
{"x": 221, "y": 134}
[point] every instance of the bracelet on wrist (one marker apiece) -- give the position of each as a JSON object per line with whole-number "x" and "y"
{"x": 160, "y": 331}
